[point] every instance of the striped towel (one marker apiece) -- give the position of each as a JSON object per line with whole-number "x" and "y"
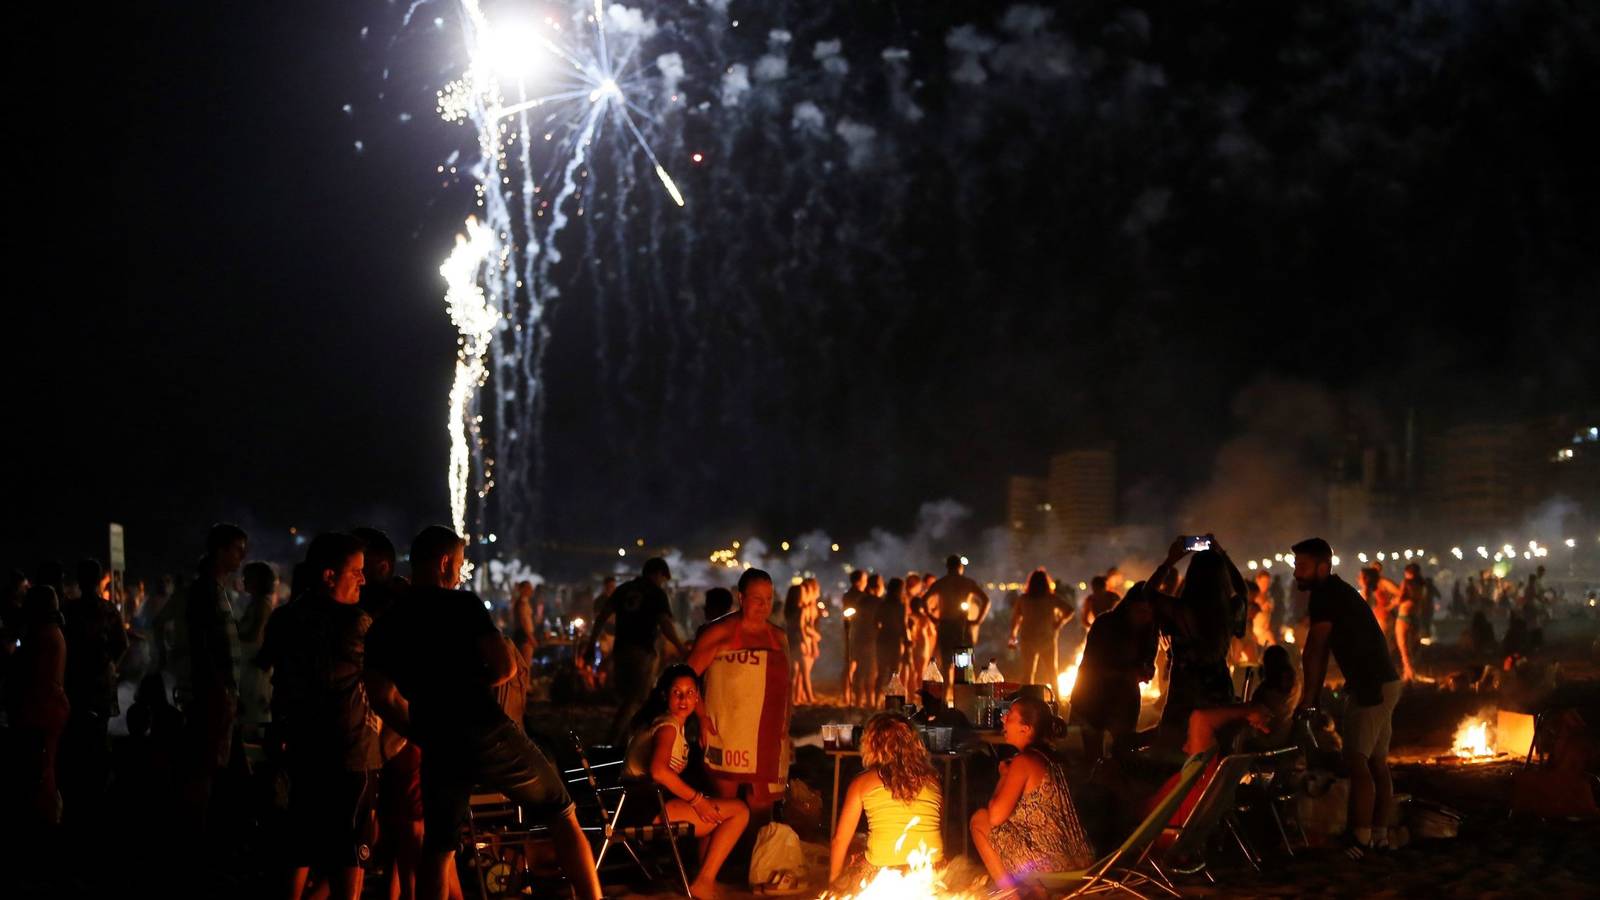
{"x": 747, "y": 712}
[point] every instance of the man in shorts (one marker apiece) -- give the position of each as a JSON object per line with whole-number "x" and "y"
{"x": 433, "y": 662}
{"x": 1341, "y": 622}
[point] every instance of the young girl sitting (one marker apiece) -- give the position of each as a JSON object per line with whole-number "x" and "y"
{"x": 659, "y": 751}
{"x": 899, "y": 792}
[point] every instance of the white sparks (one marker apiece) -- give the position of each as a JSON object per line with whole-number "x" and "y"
{"x": 672, "y": 189}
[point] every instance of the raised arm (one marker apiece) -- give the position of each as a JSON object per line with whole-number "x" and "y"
{"x": 1174, "y": 553}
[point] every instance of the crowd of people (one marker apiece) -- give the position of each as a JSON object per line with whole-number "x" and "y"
{"x": 381, "y": 700}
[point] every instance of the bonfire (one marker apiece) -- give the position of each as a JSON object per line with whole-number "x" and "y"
{"x": 1066, "y": 679}
{"x": 1474, "y": 740}
{"x": 918, "y": 879}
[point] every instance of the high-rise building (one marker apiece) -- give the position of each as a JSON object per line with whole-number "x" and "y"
{"x": 1477, "y": 484}
{"x": 1027, "y": 520}
{"x": 1491, "y": 477}
{"x": 1082, "y": 493}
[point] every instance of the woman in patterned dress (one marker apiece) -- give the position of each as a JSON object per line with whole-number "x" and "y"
{"x": 1030, "y": 824}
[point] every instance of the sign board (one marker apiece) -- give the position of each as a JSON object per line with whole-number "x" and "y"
{"x": 119, "y": 555}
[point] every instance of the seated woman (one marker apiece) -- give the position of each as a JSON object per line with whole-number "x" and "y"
{"x": 659, "y": 751}
{"x": 1030, "y": 824}
{"x": 899, "y": 791}
{"x": 1269, "y": 712}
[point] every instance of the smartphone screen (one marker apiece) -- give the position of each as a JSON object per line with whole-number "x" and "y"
{"x": 1196, "y": 543}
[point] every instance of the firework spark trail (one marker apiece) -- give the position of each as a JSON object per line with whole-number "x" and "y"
{"x": 516, "y": 240}
{"x": 475, "y": 320}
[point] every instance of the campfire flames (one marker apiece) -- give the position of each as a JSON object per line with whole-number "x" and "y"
{"x": 1066, "y": 679}
{"x": 1473, "y": 740}
{"x": 1149, "y": 691}
{"x": 918, "y": 879}
{"x": 1288, "y": 636}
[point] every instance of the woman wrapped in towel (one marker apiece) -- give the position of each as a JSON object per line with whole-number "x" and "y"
{"x": 744, "y": 661}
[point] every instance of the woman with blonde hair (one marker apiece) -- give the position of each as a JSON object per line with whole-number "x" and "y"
{"x": 899, "y": 791}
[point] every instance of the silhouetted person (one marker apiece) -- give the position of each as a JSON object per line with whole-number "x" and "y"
{"x": 432, "y": 665}
{"x": 524, "y": 629}
{"x": 96, "y": 641}
{"x": 955, "y": 602}
{"x": 212, "y": 698}
{"x": 383, "y": 584}
{"x": 1036, "y": 620}
{"x": 719, "y": 602}
{"x": 855, "y": 598}
{"x": 643, "y": 613}
{"x": 328, "y": 732}
{"x": 864, "y": 642}
{"x": 261, "y": 589}
{"x": 399, "y": 790}
{"x": 1100, "y": 601}
{"x": 37, "y": 709}
{"x": 1118, "y": 654}
{"x": 1201, "y": 621}
{"x": 889, "y": 637}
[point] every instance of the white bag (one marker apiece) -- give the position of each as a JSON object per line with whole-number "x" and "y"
{"x": 777, "y": 851}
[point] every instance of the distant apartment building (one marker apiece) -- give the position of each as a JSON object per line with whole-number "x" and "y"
{"x": 1058, "y": 517}
{"x": 1489, "y": 477}
{"x": 1027, "y": 520}
{"x": 1081, "y": 491}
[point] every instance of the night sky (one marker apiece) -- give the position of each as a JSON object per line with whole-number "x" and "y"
{"x": 1019, "y": 231}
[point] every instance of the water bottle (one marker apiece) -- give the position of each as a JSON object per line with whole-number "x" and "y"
{"x": 894, "y": 696}
{"x": 990, "y": 673}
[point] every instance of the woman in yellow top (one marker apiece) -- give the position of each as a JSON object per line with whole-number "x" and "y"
{"x": 899, "y": 792}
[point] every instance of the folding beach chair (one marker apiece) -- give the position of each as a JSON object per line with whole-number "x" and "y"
{"x": 1213, "y": 810}
{"x": 1125, "y": 868}
{"x": 612, "y": 832}
{"x": 1273, "y": 788}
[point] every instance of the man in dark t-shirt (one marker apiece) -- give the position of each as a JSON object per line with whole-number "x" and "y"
{"x": 433, "y": 662}
{"x": 1343, "y": 624}
{"x": 643, "y": 613}
{"x": 855, "y": 598}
